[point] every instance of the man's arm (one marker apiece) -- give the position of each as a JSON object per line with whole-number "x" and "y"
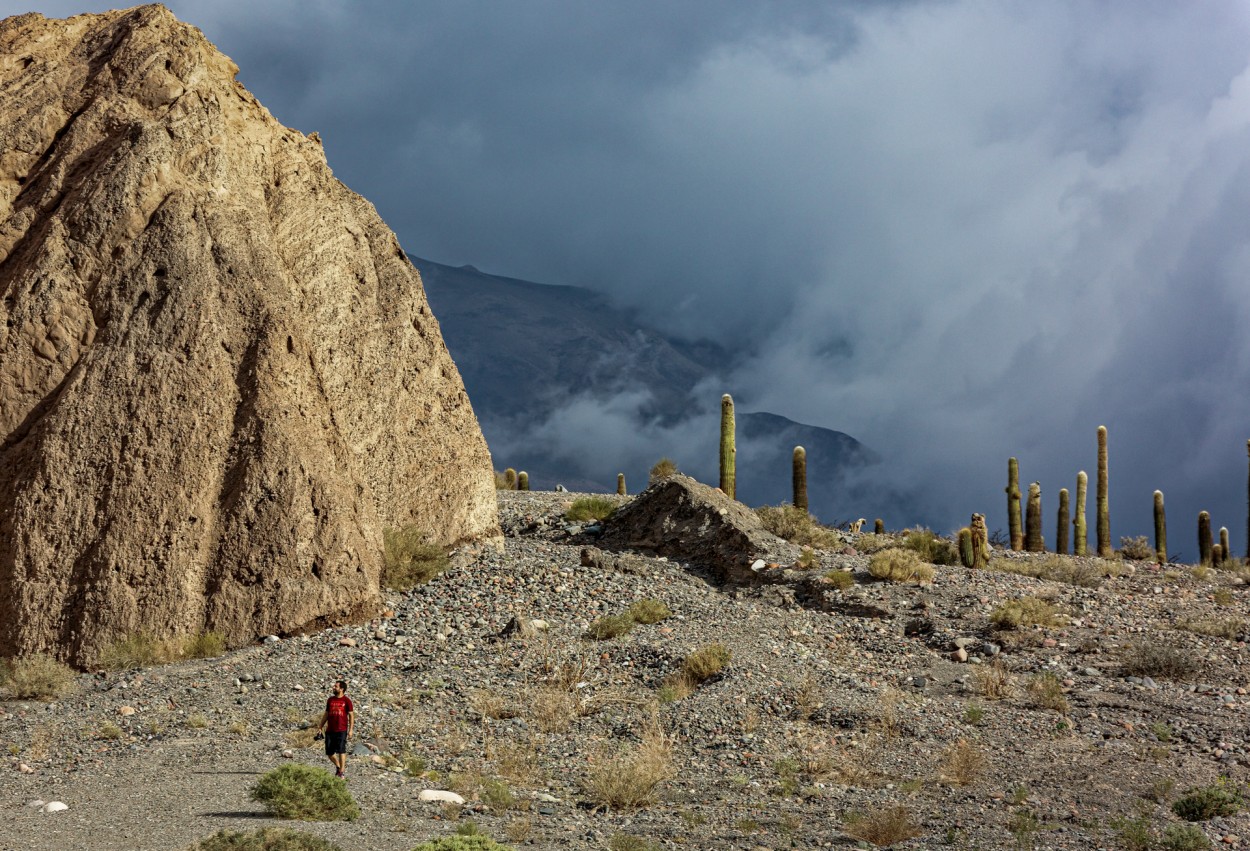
{"x": 325, "y": 719}
{"x": 351, "y": 721}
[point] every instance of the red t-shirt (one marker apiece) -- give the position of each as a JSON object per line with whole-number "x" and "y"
{"x": 337, "y": 710}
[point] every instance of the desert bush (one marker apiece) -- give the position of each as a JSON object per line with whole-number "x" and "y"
{"x": 1183, "y": 837}
{"x": 872, "y": 542}
{"x": 882, "y": 827}
{"x": 550, "y": 708}
{"x": 197, "y": 721}
{"x": 475, "y": 842}
{"x": 409, "y": 560}
{"x": 662, "y": 469}
{"x": 137, "y": 650}
{"x": 610, "y": 626}
{"x": 204, "y": 645}
{"x": 840, "y": 579}
{"x": 35, "y": 677}
{"x": 706, "y": 662}
{"x": 797, "y": 526}
{"x": 589, "y": 508}
{"x": 1149, "y": 659}
{"x": 930, "y": 547}
{"x": 649, "y": 611}
{"x": 1057, "y": 568}
{"x": 264, "y": 839}
{"x": 1026, "y": 611}
{"x": 297, "y": 791}
{"x": 1046, "y": 692}
{"x": 627, "y": 842}
{"x": 629, "y": 780}
{"x": 1228, "y": 628}
{"x": 900, "y": 565}
{"x": 1207, "y": 802}
{"x": 1137, "y": 549}
{"x": 962, "y": 763}
{"x": 807, "y": 559}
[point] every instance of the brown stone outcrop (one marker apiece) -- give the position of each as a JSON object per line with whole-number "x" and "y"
{"x": 219, "y": 376}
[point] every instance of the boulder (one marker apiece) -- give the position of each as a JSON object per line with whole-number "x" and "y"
{"x": 685, "y": 520}
{"x": 220, "y": 380}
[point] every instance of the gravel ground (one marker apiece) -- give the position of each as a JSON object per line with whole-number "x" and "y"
{"x": 838, "y": 703}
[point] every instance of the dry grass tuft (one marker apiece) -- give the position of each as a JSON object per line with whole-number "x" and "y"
{"x": 662, "y": 469}
{"x": 1046, "y": 692}
{"x": 488, "y": 703}
{"x": 611, "y": 626}
{"x": 797, "y": 526}
{"x": 840, "y": 579}
{"x": 930, "y": 547}
{"x": 882, "y": 827}
{"x": 993, "y": 681}
{"x": 590, "y": 508}
{"x": 706, "y": 662}
{"x": 649, "y": 611}
{"x": 1056, "y": 568}
{"x": 962, "y": 763}
{"x": 900, "y": 565}
{"x": 1148, "y": 659}
{"x": 1231, "y": 629}
{"x": 37, "y": 677}
{"x": 629, "y": 780}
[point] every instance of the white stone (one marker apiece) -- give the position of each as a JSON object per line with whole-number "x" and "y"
{"x": 539, "y": 623}
{"x": 440, "y": 796}
{"x": 55, "y": 807}
{"x": 24, "y": 768}
{"x": 272, "y": 639}
{"x": 759, "y": 564}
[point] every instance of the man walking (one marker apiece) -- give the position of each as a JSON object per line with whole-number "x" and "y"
{"x": 338, "y": 723}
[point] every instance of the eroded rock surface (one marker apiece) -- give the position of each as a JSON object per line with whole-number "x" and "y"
{"x": 219, "y": 376}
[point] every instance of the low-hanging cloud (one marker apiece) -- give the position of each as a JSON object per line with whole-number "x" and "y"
{"x": 956, "y": 230}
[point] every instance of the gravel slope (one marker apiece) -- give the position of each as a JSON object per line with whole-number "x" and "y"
{"x": 844, "y": 702}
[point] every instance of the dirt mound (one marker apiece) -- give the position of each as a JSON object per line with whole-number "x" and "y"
{"x": 683, "y": 519}
{"x": 219, "y": 376}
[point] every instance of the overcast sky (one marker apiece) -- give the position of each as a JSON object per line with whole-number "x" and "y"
{"x": 956, "y": 230}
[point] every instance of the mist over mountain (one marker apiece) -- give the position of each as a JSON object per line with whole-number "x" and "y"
{"x": 573, "y": 390}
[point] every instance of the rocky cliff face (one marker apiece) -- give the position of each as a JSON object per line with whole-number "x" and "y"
{"x": 219, "y": 376}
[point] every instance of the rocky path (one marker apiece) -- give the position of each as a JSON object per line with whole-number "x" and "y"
{"x": 852, "y": 701}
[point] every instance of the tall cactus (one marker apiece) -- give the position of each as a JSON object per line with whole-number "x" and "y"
{"x": 1033, "y": 541}
{"x": 1104, "y": 511}
{"x": 798, "y": 477}
{"x": 522, "y": 481}
{"x": 728, "y": 453}
{"x": 1217, "y": 555}
{"x": 1013, "y": 504}
{"x": 1161, "y": 530}
{"x": 980, "y": 541}
{"x": 1061, "y": 524}
{"x": 1204, "y": 537}
{"x": 1224, "y": 543}
{"x": 509, "y": 478}
{"x": 620, "y": 484}
{"x": 1081, "y": 545}
{"x": 879, "y": 526}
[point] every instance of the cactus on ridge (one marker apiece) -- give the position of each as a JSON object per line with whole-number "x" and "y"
{"x": 1061, "y": 525}
{"x": 878, "y": 527}
{"x": 966, "y": 556}
{"x": 522, "y": 481}
{"x": 728, "y": 452}
{"x": 509, "y": 478}
{"x": 980, "y": 541}
{"x": 1224, "y": 542}
{"x": 620, "y": 484}
{"x": 799, "y": 478}
{"x": 1033, "y": 541}
{"x": 1013, "y": 504}
{"x": 1204, "y": 537}
{"x": 1104, "y": 511}
{"x": 1080, "y": 546}
{"x": 1161, "y": 530}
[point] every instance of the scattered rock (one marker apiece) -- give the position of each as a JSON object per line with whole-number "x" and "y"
{"x": 441, "y": 796}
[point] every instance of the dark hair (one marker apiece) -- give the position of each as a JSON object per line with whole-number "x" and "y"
{"x": 341, "y": 684}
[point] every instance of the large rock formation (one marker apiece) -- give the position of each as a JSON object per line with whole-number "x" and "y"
{"x": 219, "y": 376}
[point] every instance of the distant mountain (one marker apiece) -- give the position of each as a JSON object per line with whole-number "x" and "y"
{"x": 532, "y": 355}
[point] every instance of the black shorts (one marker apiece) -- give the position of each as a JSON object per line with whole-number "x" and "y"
{"x": 336, "y": 742}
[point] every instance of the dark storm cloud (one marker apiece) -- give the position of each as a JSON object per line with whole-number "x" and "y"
{"x": 956, "y": 230}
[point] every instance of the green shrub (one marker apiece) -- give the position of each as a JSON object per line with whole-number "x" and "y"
{"x": 611, "y": 626}
{"x": 264, "y": 839}
{"x": 409, "y": 560}
{"x": 1058, "y": 568}
{"x": 931, "y": 547}
{"x": 477, "y": 842}
{"x": 38, "y": 677}
{"x": 205, "y": 645}
{"x": 900, "y": 565}
{"x": 1207, "y": 802}
{"x": 649, "y": 611}
{"x": 589, "y": 508}
{"x": 840, "y": 579}
{"x": 797, "y": 526}
{"x": 1184, "y": 837}
{"x": 296, "y": 791}
{"x": 1137, "y": 549}
{"x": 706, "y": 662}
{"x": 1026, "y": 611}
{"x": 1047, "y": 692}
{"x": 663, "y": 468}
